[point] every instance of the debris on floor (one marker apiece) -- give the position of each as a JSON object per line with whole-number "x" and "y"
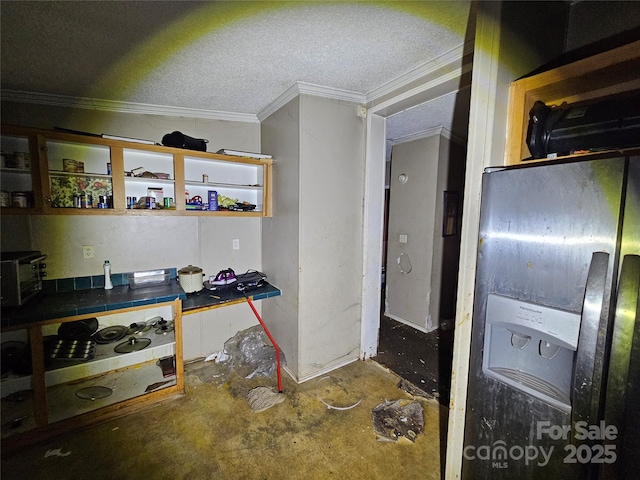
{"x": 334, "y": 397}
{"x": 251, "y": 352}
{"x": 248, "y": 353}
{"x": 412, "y": 390}
{"x": 262, "y": 398}
{"x": 398, "y": 420}
{"x": 57, "y": 452}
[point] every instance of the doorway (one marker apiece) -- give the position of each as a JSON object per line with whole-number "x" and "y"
{"x": 421, "y": 251}
{"x": 450, "y": 75}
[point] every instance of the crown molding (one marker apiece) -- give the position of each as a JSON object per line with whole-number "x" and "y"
{"x": 439, "y": 67}
{"x": 444, "y": 132}
{"x": 303, "y": 88}
{"x": 452, "y": 59}
{"x": 444, "y": 63}
{"x": 122, "y": 107}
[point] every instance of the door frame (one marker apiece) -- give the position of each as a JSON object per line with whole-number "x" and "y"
{"x": 455, "y": 74}
{"x": 487, "y": 125}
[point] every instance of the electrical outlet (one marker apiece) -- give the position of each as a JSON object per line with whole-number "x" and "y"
{"x": 88, "y": 251}
{"x": 403, "y": 238}
{"x": 236, "y": 244}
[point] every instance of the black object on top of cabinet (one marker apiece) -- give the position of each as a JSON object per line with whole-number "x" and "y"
{"x": 180, "y": 140}
{"x": 610, "y": 124}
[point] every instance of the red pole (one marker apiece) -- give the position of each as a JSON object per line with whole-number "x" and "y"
{"x": 266, "y": 330}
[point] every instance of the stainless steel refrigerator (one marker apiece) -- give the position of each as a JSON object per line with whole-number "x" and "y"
{"x": 555, "y": 353}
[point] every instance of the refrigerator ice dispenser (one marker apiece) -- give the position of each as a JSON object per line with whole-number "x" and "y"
{"x": 531, "y": 348}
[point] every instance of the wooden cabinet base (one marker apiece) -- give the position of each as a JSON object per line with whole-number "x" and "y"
{"x": 40, "y": 435}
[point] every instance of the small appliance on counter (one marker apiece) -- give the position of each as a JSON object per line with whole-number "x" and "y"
{"x": 191, "y": 279}
{"x": 22, "y": 274}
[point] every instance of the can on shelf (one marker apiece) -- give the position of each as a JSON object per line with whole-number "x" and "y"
{"x": 19, "y": 199}
{"x": 69, "y": 165}
{"x": 22, "y": 160}
{"x": 5, "y": 199}
{"x": 213, "y": 200}
{"x": 9, "y": 160}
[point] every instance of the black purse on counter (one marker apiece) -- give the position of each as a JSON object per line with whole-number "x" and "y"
{"x": 180, "y": 140}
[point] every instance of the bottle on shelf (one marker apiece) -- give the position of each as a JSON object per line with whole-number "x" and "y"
{"x": 107, "y": 275}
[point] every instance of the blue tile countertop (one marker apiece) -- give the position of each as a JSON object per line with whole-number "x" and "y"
{"x": 69, "y": 297}
{"x": 74, "y": 296}
{"x": 206, "y": 298}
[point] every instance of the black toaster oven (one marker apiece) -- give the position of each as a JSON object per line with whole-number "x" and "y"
{"x": 22, "y": 274}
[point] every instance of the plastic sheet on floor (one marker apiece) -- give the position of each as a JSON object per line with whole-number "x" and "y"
{"x": 248, "y": 353}
{"x": 397, "y": 420}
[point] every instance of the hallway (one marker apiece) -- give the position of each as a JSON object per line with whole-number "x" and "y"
{"x": 424, "y": 359}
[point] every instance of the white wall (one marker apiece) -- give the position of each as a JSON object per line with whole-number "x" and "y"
{"x": 313, "y": 243}
{"x": 425, "y": 296}
{"x": 332, "y": 140}
{"x": 281, "y": 233}
{"x": 411, "y": 296}
{"x": 151, "y": 241}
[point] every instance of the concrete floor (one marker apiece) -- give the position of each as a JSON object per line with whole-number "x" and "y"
{"x": 424, "y": 359}
{"x": 212, "y": 433}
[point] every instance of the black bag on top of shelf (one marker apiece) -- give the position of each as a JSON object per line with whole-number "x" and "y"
{"x": 180, "y": 140}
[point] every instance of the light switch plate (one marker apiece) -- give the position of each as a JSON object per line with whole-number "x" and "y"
{"x": 403, "y": 238}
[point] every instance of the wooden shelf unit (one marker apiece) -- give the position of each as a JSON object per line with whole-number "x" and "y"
{"x": 40, "y": 142}
{"x": 54, "y": 407}
{"x": 612, "y": 73}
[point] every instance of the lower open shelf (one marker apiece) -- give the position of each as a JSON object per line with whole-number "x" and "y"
{"x": 64, "y": 400}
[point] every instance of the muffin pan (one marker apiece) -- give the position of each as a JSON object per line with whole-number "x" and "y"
{"x": 72, "y": 350}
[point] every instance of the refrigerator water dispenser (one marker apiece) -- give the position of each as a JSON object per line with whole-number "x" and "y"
{"x": 531, "y": 348}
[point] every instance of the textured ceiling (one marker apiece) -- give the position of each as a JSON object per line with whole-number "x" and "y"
{"x": 224, "y": 56}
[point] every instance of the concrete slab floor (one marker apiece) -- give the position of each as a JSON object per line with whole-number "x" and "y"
{"x": 424, "y": 359}
{"x": 212, "y": 433}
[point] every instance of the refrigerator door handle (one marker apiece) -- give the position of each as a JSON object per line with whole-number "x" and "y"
{"x": 583, "y": 405}
{"x": 620, "y": 373}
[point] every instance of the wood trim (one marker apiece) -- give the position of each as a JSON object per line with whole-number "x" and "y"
{"x": 38, "y": 383}
{"x": 117, "y": 179}
{"x": 179, "y": 186}
{"x": 177, "y": 308}
{"x": 267, "y": 182}
{"x": 217, "y": 305}
{"x": 42, "y": 157}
